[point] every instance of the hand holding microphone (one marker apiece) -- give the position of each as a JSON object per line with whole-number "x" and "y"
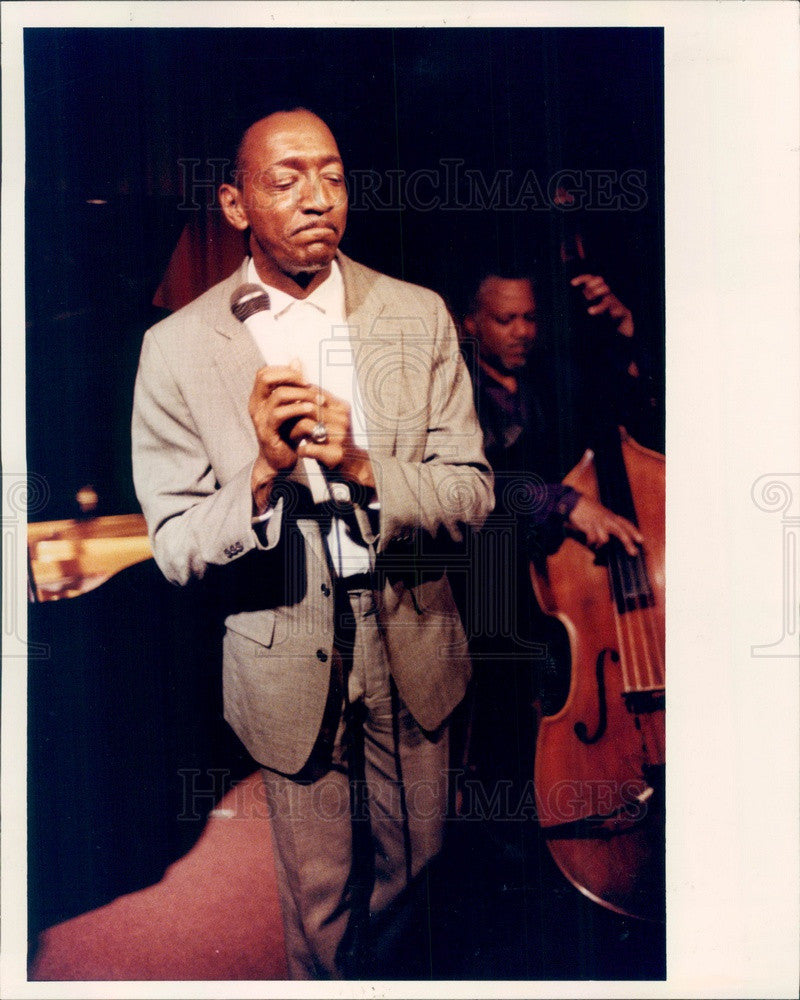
{"x": 294, "y": 419}
{"x": 330, "y": 441}
{"x": 296, "y": 423}
{"x": 283, "y": 409}
{"x": 273, "y": 416}
{"x": 250, "y": 304}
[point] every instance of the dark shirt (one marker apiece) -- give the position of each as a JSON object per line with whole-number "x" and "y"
{"x": 520, "y": 448}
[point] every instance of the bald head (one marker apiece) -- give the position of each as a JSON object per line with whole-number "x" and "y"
{"x": 298, "y": 120}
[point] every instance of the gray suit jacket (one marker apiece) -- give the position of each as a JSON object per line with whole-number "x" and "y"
{"x": 193, "y": 452}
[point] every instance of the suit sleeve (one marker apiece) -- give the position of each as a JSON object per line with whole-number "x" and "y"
{"x": 451, "y": 487}
{"x": 193, "y": 521}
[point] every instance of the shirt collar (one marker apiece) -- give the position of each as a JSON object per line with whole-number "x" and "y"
{"x": 328, "y": 298}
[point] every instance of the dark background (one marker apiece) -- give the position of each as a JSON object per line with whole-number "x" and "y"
{"x": 127, "y": 699}
{"x": 110, "y": 114}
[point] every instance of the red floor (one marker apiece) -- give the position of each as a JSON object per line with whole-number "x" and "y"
{"x": 214, "y": 915}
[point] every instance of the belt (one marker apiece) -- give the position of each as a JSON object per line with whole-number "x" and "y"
{"x": 357, "y": 581}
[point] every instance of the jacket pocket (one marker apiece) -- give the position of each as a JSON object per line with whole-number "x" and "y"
{"x": 258, "y": 626}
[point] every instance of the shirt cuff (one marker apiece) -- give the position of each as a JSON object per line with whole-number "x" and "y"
{"x": 260, "y": 523}
{"x": 262, "y": 518}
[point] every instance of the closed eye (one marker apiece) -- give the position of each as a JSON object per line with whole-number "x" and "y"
{"x": 507, "y": 320}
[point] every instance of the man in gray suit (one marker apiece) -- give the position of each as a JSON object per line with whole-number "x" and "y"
{"x": 321, "y": 462}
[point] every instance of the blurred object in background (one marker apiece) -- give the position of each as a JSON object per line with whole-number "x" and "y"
{"x": 207, "y": 251}
{"x": 87, "y": 500}
{"x": 68, "y": 558}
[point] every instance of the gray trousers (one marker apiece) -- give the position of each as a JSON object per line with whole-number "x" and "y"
{"x": 399, "y": 818}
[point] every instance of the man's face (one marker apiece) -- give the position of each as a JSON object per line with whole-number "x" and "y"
{"x": 291, "y": 194}
{"x": 504, "y": 323}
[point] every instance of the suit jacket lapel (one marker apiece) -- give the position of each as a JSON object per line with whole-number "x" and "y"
{"x": 237, "y": 357}
{"x": 377, "y": 352}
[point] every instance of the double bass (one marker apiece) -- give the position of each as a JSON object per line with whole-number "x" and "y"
{"x": 600, "y": 758}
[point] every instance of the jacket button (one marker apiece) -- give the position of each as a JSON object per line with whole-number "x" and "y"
{"x": 322, "y": 656}
{"x": 326, "y": 590}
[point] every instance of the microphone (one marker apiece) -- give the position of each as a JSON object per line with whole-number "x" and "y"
{"x": 250, "y": 305}
{"x": 248, "y": 300}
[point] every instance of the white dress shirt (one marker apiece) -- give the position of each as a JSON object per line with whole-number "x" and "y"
{"x": 314, "y": 332}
